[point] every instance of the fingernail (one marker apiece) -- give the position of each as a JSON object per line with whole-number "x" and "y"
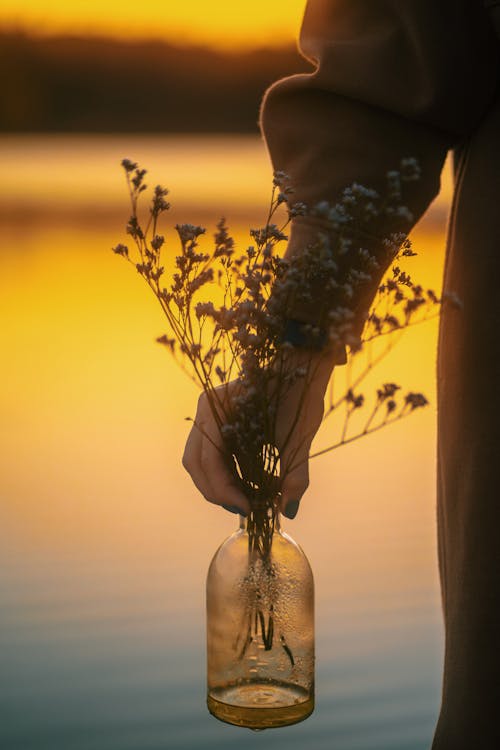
{"x": 291, "y": 509}
{"x": 234, "y": 509}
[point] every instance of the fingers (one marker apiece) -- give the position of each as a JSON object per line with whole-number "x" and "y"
{"x": 191, "y": 460}
{"x": 215, "y": 466}
{"x": 294, "y": 462}
{"x": 295, "y": 479}
{"x": 205, "y": 461}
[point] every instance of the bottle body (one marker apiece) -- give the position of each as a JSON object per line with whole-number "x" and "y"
{"x": 260, "y": 633}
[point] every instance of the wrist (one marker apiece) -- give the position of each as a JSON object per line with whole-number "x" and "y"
{"x": 315, "y": 365}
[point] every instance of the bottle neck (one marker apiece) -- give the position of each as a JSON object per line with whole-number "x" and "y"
{"x": 243, "y": 522}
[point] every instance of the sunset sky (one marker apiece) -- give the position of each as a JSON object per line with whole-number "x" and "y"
{"x": 219, "y": 23}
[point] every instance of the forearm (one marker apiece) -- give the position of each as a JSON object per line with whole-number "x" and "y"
{"x": 387, "y": 86}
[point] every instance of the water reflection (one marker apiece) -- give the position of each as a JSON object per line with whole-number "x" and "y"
{"x": 104, "y": 542}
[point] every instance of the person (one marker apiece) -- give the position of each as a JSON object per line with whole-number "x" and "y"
{"x": 392, "y": 79}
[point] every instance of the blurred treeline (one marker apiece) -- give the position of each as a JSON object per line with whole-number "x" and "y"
{"x": 65, "y": 84}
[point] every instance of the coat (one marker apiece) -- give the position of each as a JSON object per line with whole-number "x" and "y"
{"x": 399, "y": 78}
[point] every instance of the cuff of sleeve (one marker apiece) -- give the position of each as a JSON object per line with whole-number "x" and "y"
{"x": 312, "y": 338}
{"x": 305, "y": 335}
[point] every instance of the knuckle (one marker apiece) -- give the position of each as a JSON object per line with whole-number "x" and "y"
{"x": 201, "y": 406}
{"x": 187, "y": 462}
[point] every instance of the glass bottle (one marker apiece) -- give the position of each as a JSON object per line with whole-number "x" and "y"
{"x": 260, "y": 630}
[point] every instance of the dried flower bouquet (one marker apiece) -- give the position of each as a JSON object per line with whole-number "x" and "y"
{"x": 229, "y": 315}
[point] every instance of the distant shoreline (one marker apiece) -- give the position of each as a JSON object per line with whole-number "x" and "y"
{"x": 106, "y": 85}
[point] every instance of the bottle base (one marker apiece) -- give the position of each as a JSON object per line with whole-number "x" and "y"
{"x": 260, "y": 704}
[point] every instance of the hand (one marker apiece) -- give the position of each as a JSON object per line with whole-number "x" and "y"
{"x": 212, "y": 472}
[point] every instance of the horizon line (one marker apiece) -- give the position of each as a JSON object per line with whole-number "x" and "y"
{"x": 239, "y": 46}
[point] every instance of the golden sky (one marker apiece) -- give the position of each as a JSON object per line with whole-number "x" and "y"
{"x": 221, "y": 23}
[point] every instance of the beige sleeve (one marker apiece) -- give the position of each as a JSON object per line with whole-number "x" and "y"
{"x": 393, "y": 79}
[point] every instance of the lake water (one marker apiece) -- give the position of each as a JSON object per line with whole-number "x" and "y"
{"x": 104, "y": 542}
